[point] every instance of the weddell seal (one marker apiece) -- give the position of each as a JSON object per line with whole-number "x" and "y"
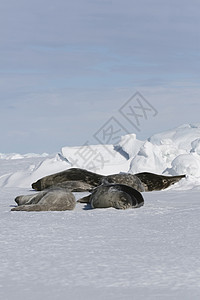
{"x": 120, "y": 191}
{"x": 50, "y": 200}
{"x": 85, "y": 180}
{"x": 119, "y": 196}
{"x": 154, "y": 182}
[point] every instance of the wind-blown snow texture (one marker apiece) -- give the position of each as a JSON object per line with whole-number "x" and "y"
{"x": 146, "y": 253}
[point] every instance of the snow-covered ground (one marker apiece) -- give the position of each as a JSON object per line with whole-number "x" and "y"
{"x": 147, "y": 253}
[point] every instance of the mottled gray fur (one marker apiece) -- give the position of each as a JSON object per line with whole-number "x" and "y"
{"x": 154, "y": 182}
{"x": 73, "y": 174}
{"x": 52, "y": 200}
{"x": 126, "y": 179}
{"x": 114, "y": 195}
{"x": 75, "y": 186}
{"x": 88, "y": 178}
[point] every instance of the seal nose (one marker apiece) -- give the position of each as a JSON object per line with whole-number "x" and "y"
{"x": 36, "y": 185}
{"x": 17, "y": 200}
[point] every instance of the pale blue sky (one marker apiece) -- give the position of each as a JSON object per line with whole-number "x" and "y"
{"x": 66, "y": 67}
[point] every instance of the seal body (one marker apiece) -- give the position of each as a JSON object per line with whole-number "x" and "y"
{"x": 155, "y": 182}
{"x": 73, "y": 174}
{"x": 52, "y": 200}
{"x": 74, "y": 186}
{"x": 78, "y": 180}
{"x": 30, "y": 199}
{"x": 126, "y": 179}
{"x": 85, "y": 180}
{"x": 118, "y": 196}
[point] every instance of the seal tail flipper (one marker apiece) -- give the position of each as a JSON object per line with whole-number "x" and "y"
{"x": 84, "y": 199}
{"x": 32, "y": 207}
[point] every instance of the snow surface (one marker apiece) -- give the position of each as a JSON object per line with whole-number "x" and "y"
{"x": 146, "y": 253}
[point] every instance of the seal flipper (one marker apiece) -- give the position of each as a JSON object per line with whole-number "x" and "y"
{"x": 85, "y": 199}
{"x": 31, "y": 207}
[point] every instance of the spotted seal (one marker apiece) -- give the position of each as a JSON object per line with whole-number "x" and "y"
{"x": 50, "y": 200}
{"x": 119, "y": 196}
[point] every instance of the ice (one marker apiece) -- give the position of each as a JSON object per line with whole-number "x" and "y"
{"x": 187, "y": 164}
{"x": 196, "y": 146}
{"x": 21, "y": 156}
{"x": 130, "y": 145}
{"x": 148, "y": 159}
{"x": 172, "y": 152}
{"x": 147, "y": 253}
{"x": 105, "y": 158}
{"x": 182, "y": 136}
{"x": 23, "y": 177}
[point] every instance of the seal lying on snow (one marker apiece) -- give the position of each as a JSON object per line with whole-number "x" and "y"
{"x": 106, "y": 195}
{"x": 119, "y": 196}
{"x": 73, "y": 174}
{"x": 118, "y": 190}
{"x": 56, "y": 199}
{"x": 75, "y": 186}
{"x": 86, "y": 180}
{"x": 154, "y": 182}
